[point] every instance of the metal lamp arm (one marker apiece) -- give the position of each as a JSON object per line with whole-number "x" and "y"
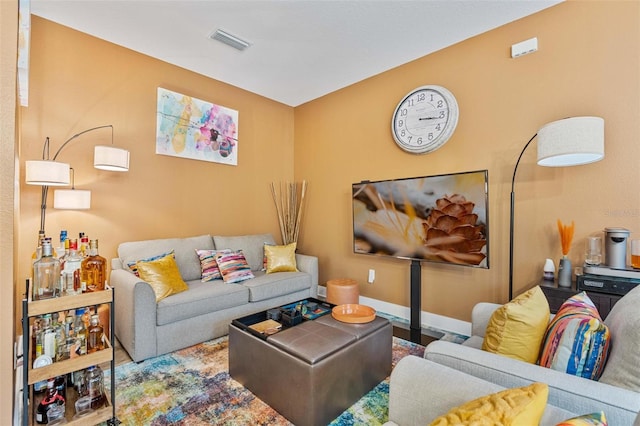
{"x": 76, "y": 135}
{"x": 512, "y": 217}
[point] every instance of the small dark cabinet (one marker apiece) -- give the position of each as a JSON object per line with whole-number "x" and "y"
{"x": 557, "y": 295}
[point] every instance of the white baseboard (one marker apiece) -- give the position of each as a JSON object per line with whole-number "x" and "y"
{"x": 426, "y": 318}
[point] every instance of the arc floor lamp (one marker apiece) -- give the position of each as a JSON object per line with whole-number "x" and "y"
{"x": 569, "y": 142}
{"x": 49, "y": 172}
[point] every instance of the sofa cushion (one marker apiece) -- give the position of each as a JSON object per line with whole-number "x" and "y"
{"x": 517, "y": 406}
{"x": 251, "y": 245}
{"x": 233, "y": 266}
{"x": 577, "y": 340}
{"x": 623, "y": 366}
{"x": 184, "y": 248}
{"x": 201, "y": 299}
{"x": 280, "y": 258}
{"x": 163, "y": 276}
{"x": 266, "y": 286}
{"x": 516, "y": 328}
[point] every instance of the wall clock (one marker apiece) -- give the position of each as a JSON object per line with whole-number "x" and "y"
{"x": 424, "y": 119}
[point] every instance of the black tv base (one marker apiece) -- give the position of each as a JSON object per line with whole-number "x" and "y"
{"x": 422, "y": 337}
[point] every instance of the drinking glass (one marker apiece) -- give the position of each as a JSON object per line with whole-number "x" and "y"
{"x": 635, "y": 253}
{"x": 593, "y": 254}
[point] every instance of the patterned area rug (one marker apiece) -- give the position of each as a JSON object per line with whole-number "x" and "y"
{"x": 192, "y": 386}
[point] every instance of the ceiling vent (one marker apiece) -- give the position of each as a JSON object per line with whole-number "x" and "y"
{"x": 229, "y": 39}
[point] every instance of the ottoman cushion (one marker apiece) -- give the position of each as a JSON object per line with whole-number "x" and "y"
{"x": 311, "y": 341}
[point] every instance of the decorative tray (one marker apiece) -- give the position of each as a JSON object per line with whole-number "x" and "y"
{"x": 352, "y": 313}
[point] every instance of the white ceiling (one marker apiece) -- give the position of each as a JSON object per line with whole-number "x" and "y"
{"x": 300, "y": 49}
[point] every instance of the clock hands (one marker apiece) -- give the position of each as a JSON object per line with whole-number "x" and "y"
{"x": 428, "y": 118}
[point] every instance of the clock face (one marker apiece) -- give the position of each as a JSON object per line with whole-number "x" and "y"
{"x": 425, "y": 119}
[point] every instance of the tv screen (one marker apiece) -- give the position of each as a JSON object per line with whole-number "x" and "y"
{"x": 442, "y": 218}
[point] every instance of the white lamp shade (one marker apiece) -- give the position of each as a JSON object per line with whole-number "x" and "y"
{"x": 46, "y": 172}
{"x": 71, "y": 199}
{"x": 111, "y": 158}
{"x": 571, "y": 142}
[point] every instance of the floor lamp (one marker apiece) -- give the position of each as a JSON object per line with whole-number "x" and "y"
{"x": 49, "y": 172}
{"x": 568, "y": 142}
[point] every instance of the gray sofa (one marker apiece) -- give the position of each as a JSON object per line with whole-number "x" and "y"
{"x": 421, "y": 390}
{"x": 617, "y": 393}
{"x": 147, "y": 329}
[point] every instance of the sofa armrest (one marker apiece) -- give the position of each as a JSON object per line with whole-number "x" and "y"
{"x": 135, "y": 314}
{"x": 572, "y": 393}
{"x": 480, "y": 316}
{"x": 413, "y": 398}
{"x": 309, "y": 264}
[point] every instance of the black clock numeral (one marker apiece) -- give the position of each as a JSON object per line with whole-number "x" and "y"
{"x": 419, "y": 141}
{"x": 403, "y": 112}
{"x": 440, "y": 104}
{"x": 439, "y": 127}
{"x": 421, "y": 97}
{"x": 400, "y": 123}
{"x": 430, "y": 136}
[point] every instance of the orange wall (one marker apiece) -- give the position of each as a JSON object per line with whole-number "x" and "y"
{"x": 78, "y": 82}
{"x": 587, "y": 64}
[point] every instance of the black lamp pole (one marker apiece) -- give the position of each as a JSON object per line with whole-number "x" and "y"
{"x": 513, "y": 180}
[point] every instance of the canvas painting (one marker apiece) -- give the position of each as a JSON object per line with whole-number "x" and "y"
{"x": 195, "y": 129}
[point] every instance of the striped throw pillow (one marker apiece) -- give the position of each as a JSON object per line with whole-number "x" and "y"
{"x": 233, "y": 266}
{"x": 208, "y": 264}
{"x": 577, "y": 340}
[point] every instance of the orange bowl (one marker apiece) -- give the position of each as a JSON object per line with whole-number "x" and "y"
{"x": 352, "y": 313}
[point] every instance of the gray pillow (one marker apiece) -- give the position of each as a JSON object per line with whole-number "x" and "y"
{"x": 623, "y": 366}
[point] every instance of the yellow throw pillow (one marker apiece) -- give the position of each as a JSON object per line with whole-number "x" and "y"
{"x": 517, "y": 328}
{"x": 281, "y": 258}
{"x": 163, "y": 276}
{"x": 511, "y": 407}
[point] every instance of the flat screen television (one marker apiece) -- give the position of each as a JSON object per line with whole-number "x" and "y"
{"x": 441, "y": 218}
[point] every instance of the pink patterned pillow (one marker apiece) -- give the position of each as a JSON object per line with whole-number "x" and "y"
{"x": 233, "y": 266}
{"x": 208, "y": 264}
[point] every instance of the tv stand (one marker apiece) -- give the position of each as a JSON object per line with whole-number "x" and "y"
{"x": 416, "y": 333}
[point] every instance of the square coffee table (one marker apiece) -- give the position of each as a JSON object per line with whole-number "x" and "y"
{"x": 311, "y": 372}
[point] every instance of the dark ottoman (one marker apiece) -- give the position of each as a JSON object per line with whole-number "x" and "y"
{"x": 312, "y": 372}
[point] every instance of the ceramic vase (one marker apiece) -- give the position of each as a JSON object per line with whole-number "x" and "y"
{"x": 564, "y": 272}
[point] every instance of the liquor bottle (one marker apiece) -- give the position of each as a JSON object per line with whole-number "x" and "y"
{"x": 61, "y": 339}
{"x": 48, "y": 338}
{"x": 94, "y": 269}
{"x": 96, "y": 332}
{"x": 84, "y": 244}
{"x": 72, "y": 267}
{"x": 61, "y": 248}
{"x": 51, "y": 400}
{"x": 94, "y": 378}
{"x": 36, "y": 339}
{"x": 80, "y": 331}
{"x": 46, "y": 274}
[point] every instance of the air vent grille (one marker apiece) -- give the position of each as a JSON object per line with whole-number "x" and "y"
{"x": 229, "y": 39}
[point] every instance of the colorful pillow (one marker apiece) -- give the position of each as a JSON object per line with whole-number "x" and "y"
{"x": 281, "y": 258}
{"x": 134, "y": 268}
{"x": 233, "y": 266}
{"x": 517, "y": 328}
{"x": 163, "y": 276}
{"x": 517, "y": 406}
{"x": 593, "y": 419}
{"x": 577, "y": 340}
{"x": 208, "y": 264}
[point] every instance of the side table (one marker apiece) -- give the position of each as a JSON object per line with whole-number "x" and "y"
{"x": 557, "y": 295}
